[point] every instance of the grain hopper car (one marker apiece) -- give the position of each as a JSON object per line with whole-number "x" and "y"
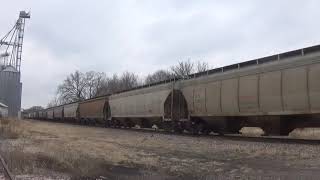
{"x": 276, "y": 93}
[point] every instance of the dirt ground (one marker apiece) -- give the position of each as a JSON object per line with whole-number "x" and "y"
{"x": 46, "y": 150}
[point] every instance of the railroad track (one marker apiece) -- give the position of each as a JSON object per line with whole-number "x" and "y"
{"x": 234, "y": 137}
{"x": 6, "y": 169}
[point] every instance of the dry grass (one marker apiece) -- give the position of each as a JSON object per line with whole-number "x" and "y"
{"x": 22, "y": 159}
{"x": 29, "y": 149}
{"x": 10, "y": 128}
{"x": 22, "y": 162}
{"x": 33, "y": 147}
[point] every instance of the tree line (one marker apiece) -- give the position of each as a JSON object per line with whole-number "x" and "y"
{"x": 85, "y": 85}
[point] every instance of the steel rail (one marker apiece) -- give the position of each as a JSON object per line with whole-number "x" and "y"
{"x": 6, "y": 169}
{"x": 235, "y": 137}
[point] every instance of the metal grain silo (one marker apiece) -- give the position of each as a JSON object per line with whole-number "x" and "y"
{"x": 10, "y": 65}
{"x": 10, "y": 89}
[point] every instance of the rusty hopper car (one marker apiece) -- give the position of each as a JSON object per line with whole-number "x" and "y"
{"x": 94, "y": 110}
{"x": 58, "y": 113}
{"x": 71, "y": 112}
{"x": 50, "y": 113}
{"x": 157, "y": 105}
{"x": 277, "y": 93}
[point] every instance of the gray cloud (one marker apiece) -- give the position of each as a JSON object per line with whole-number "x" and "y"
{"x": 143, "y": 36}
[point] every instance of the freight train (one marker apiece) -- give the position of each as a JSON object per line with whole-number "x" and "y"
{"x": 276, "y": 93}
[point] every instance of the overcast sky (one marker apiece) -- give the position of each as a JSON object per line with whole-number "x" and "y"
{"x": 142, "y": 36}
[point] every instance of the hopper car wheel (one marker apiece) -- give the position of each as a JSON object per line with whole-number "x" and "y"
{"x": 177, "y": 127}
{"x": 111, "y": 123}
{"x": 94, "y": 122}
{"x": 200, "y": 128}
{"x": 194, "y": 129}
{"x": 220, "y": 133}
{"x": 173, "y": 127}
{"x": 128, "y": 124}
{"x": 114, "y": 123}
{"x": 84, "y": 122}
{"x": 107, "y": 124}
{"x": 167, "y": 126}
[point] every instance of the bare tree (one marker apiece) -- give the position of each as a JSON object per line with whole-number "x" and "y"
{"x": 112, "y": 85}
{"x": 115, "y": 84}
{"x": 100, "y": 80}
{"x": 34, "y": 108}
{"x": 73, "y": 88}
{"x": 158, "y": 76}
{"x": 79, "y": 86}
{"x": 94, "y": 81}
{"x": 54, "y": 102}
{"x": 128, "y": 80}
{"x": 183, "y": 69}
{"x": 202, "y": 66}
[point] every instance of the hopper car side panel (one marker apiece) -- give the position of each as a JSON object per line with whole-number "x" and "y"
{"x": 50, "y": 114}
{"x": 32, "y": 115}
{"x": 188, "y": 93}
{"x": 294, "y": 89}
{"x": 36, "y": 115}
{"x": 148, "y": 106}
{"x": 229, "y": 96}
{"x": 142, "y": 102}
{"x": 45, "y": 115}
{"x": 248, "y": 94}
{"x": 93, "y": 110}
{"x": 71, "y": 111}
{"x": 41, "y": 115}
{"x": 141, "y": 109}
{"x": 58, "y": 113}
{"x": 213, "y": 100}
{"x": 314, "y": 87}
{"x": 257, "y": 91}
{"x": 141, "y": 105}
{"x": 282, "y": 88}
{"x": 270, "y": 99}
{"x": 199, "y": 95}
